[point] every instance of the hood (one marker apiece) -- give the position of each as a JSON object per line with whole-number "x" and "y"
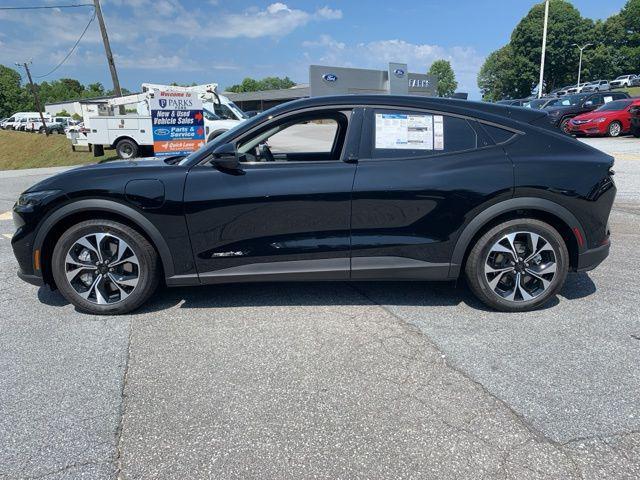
{"x": 71, "y": 177}
{"x": 594, "y": 114}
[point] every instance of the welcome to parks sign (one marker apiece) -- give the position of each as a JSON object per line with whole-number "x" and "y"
{"x": 178, "y": 123}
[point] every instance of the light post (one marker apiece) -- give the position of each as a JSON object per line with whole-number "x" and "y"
{"x": 544, "y": 46}
{"x": 581, "y": 48}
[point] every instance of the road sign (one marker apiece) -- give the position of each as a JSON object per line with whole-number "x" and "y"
{"x": 178, "y": 123}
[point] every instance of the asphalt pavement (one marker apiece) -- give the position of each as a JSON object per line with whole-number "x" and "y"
{"x": 327, "y": 380}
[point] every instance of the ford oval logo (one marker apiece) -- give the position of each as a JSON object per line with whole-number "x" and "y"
{"x": 329, "y": 77}
{"x": 398, "y": 72}
{"x": 161, "y": 131}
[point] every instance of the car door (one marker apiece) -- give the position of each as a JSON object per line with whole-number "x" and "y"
{"x": 284, "y": 214}
{"x": 421, "y": 176}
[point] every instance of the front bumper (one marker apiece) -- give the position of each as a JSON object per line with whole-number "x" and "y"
{"x": 586, "y": 129}
{"x": 590, "y": 259}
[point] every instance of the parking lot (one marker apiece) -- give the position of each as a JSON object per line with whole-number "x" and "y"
{"x": 327, "y": 380}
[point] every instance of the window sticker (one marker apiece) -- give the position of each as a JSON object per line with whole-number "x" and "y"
{"x": 438, "y": 132}
{"x": 407, "y": 132}
{"x": 608, "y": 99}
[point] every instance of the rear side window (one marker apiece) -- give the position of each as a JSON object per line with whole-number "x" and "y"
{"x": 399, "y": 134}
{"x": 498, "y": 134}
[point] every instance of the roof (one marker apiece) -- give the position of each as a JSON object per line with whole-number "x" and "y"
{"x": 483, "y": 110}
{"x": 101, "y": 99}
{"x": 299, "y": 91}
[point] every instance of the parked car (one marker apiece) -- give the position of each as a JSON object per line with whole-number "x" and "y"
{"x": 53, "y": 128}
{"x": 370, "y": 187}
{"x": 634, "y": 112}
{"x": 518, "y": 102}
{"x": 563, "y": 91}
{"x": 13, "y": 122}
{"x": 540, "y": 103}
{"x": 622, "y": 81}
{"x": 576, "y": 88}
{"x": 252, "y": 113}
{"x": 572, "y": 105}
{"x": 611, "y": 119}
{"x": 635, "y": 82}
{"x": 597, "y": 86}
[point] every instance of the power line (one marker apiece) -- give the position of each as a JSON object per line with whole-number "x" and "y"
{"x": 72, "y": 48}
{"x": 39, "y": 7}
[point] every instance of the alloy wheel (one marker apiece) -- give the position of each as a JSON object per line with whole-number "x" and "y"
{"x": 102, "y": 268}
{"x": 614, "y": 129}
{"x": 520, "y": 266}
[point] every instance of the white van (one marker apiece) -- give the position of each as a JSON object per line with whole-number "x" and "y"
{"x": 12, "y": 122}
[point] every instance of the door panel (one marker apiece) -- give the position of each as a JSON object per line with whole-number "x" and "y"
{"x": 413, "y": 209}
{"x": 279, "y": 212}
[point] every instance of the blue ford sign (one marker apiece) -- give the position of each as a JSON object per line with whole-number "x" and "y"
{"x": 398, "y": 72}
{"x": 329, "y": 77}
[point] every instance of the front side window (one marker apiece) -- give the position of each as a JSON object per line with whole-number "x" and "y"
{"x": 416, "y": 134}
{"x": 311, "y": 137}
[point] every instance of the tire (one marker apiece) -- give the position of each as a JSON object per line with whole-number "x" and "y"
{"x": 138, "y": 269}
{"x": 564, "y": 125}
{"x": 41, "y": 130}
{"x": 614, "y": 129}
{"x": 126, "y": 149}
{"x": 495, "y": 289}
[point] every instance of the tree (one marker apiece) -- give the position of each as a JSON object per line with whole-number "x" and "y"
{"x": 12, "y": 95}
{"x": 268, "y": 83}
{"x": 441, "y": 69}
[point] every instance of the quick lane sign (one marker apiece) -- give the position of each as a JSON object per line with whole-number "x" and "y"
{"x": 178, "y": 124}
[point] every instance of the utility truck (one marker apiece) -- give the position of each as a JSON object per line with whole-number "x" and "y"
{"x": 131, "y": 132}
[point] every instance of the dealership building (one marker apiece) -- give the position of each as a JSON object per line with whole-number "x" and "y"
{"x": 324, "y": 80}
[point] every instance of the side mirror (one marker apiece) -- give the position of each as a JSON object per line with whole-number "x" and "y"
{"x": 225, "y": 158}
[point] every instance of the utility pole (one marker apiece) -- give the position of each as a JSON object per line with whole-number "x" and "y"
{"x": 544, "y": 46}
{"x": 36, "y": 97}
{"x": 580, "y": 63}
{"x": 107, "y": 51}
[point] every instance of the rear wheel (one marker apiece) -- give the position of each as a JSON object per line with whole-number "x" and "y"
{"x": 104, "y": 267}
{"x": 564, "y": 125}
{"x": 518, "y": 265}
{"x": 126, "y": 149}
{"x": 614, "y": 129}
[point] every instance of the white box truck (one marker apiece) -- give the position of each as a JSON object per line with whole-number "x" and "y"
{"x": 132, "y": 134}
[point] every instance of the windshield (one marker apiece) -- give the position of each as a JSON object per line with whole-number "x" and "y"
{"x": 572, "y": 100}
{"x": 615, "y": 105}
{"x": 535, "y": 104}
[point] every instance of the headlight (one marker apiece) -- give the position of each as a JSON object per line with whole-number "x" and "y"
{"x": 34, "y": 198}
{"x": 600, "y": 120}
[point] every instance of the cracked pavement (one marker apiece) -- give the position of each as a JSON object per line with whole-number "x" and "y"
{"x": 325, "y": 380}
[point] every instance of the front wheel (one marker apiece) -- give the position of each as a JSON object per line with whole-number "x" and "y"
{"x": 104, "y": 267}
{"x": 518, "y": 265}
{"x": 614, "y": 129}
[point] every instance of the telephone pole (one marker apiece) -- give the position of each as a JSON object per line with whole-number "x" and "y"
{"x": 107, "y": 51}
{"x": 36, "y": 97}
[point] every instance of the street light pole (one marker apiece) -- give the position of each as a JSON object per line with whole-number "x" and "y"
{"x": 544, "y": 47}
{"x": 581, "y": 48}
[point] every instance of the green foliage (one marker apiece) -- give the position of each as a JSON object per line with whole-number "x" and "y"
{"x": 77, "y": 117}
{"x": 267, "y": 83}
{"x": 12, "y": 95}
{"x": 63, "y": 113}
{"x": 447, "y": 83}
{"x": 512, "y": 71}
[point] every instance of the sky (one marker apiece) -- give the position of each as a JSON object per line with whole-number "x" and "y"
{"x": 204, "y": 41}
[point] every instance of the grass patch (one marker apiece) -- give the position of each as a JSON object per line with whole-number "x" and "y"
{"x": 632, "y": 91}
{"x": 32, "y": 150}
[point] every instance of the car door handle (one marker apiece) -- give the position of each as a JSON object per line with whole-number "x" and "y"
{"x": 352, "y": 158}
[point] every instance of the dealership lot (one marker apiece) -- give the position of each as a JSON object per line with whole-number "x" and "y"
{"x": 327, "y": 380}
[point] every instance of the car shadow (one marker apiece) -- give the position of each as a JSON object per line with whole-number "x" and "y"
{"x": 416, "y": 294}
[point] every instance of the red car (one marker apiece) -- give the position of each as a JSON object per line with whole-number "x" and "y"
{"x": 612, "y": 119}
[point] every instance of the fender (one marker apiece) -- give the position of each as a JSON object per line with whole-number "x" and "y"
{"x": 517, "y": 203}
{"x": 112, "y": 207}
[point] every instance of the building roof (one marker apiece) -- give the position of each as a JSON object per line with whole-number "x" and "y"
{"x": 299, "y": 91}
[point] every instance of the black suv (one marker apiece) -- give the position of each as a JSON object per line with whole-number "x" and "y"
{"x": 571, "y": 105}
{"x": 371, "y": 188}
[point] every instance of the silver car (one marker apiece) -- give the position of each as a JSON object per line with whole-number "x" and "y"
{"x": 597, "y": 86}
{"x": 622, "y": 81}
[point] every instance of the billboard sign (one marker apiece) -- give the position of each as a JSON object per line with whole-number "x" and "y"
{"x": 178, "y": 123}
